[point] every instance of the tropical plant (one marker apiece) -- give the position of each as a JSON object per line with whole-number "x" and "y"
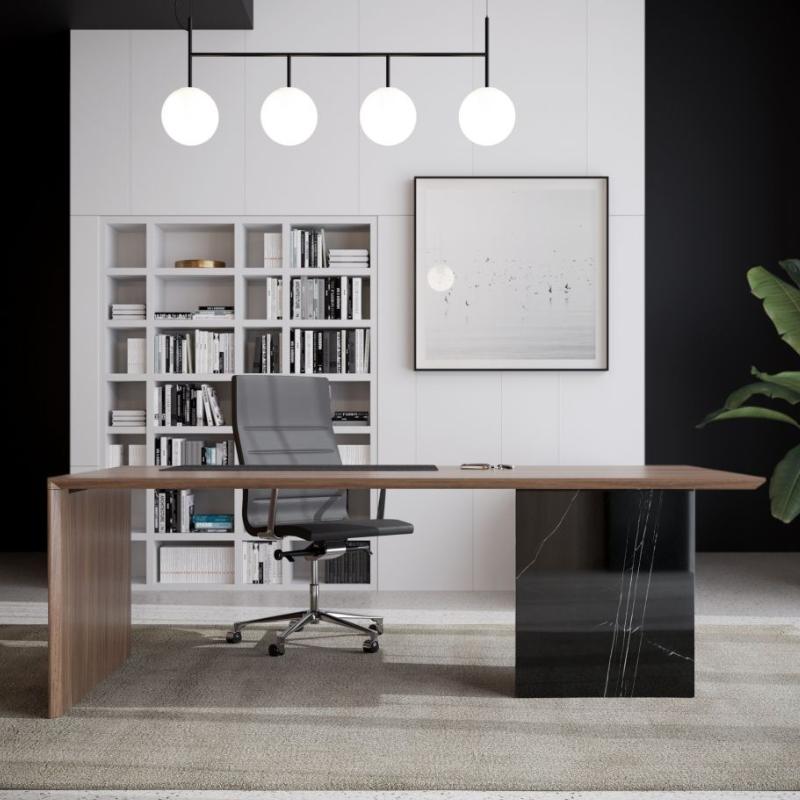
{"x": 782, "y": 304}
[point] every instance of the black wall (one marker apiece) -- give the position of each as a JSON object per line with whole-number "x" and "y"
{"x": 723, "y": 194}
{"x": 34, "y": 58}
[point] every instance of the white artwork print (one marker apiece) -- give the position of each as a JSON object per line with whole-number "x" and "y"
{"x": 511, "y": 273}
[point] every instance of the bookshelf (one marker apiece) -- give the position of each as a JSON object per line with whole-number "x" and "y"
{"x": 136, "y": 263}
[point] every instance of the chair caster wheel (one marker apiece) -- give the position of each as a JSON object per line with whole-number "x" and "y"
{"x": 276, "y": 650}
{"x": 377, "y": 628}
{"x": 233, "y": 637}
{"x": 371, "y": 646}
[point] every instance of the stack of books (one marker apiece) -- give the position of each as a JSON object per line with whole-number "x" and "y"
{"x": 129, "y": 311}
{"x": 350, "y": 418}
{"x": 348, "y": 258}
{"x": 212, "y": 523}
{"x": 195, "y": 564}
{"x": 274, "y": 298}
{"x": 266, "y": 356}
{"x": 134, "y": 455}
{"x": 327, "y": 298}
{"x": 175, "y": 452}
{"x": 259, "y": 564}
{"x": 173, "y": 510}
{"x": 273, "y": 256}
{"x": 127, "y": 418}
{"x": 136, "y": 356}
{"x": 329, "y": 352}
{"x": 194, "y": 404}
{"x": 308, "y": 248}
{"x": 213, "y": 312}
{"x": 203, "y": 312}
{"x": 352, "y": 567}
{"x": 354, "y": 454}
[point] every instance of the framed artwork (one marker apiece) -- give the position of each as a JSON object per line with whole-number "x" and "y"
{"x": 511, "y": 273}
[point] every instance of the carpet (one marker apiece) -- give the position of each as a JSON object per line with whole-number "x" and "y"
{"x": 432, "y": 710}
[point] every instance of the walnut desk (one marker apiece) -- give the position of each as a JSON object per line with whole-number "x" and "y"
{"x": 604, "y": 569}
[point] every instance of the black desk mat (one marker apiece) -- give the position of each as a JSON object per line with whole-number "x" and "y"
{"x": 306, "y": 468}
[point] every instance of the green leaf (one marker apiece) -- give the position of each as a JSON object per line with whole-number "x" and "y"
{"x": 771, "y": 390}
{"x": 784, "y": 487}
{"x": 789, "y": 380}
{"x": 748, "y": 412}
{"x": 781, "y": 303}
{"x": 792, "y": 268}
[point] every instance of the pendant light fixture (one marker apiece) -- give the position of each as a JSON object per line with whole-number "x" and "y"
{"x": 189, "y": 115}
{"x": 487, "y": 115}
{"x": 288, "y": 115}
{"x": 388, "y": 116}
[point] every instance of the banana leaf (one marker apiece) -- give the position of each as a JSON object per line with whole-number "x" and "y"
{"x": 748, "y": 412}
{"x": 784, "y": 487}
{"x": 781, "y": 303}
{"x": 792, "y": 268}
{"x": 789, "y": 380}
{"x": 772, "y": 390}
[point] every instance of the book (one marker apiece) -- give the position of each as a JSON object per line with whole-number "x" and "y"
{"x": 136, "y": 349}
{"x": 330, "y": 351}
{"x": 173, "y": 509}
{"x": 354, "y": 454}
{"x": 193, "y": 564}
{"x": 273, "y": 250}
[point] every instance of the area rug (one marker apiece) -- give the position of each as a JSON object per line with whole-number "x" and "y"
{"x": 432, "y": 710}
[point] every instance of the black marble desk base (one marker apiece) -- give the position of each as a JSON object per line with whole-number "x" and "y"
{"x": 605, "y": 593}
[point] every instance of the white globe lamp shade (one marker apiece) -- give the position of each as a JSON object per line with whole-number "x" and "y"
{"x": 487, "y": 116}
{"x": 289, "y": 116}
{"x": 441, "y": 278}
{"x": 388, "y": 116}
{"x": 190, "y": 116}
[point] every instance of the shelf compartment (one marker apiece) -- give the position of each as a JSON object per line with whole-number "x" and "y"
{"x": 126, "y": 289}
{"x": 126, "y": 246}
{"x": 178, "y": 241}
{"x": 252, "y": 348}
{"x": 187, "y": 293}
{"x": 117, "y": 340}
{"x": 254, "y": 246}
{"x": 127, "y": 396}
{"x": 223, "y": 391}
{"x": 226, "y": 573}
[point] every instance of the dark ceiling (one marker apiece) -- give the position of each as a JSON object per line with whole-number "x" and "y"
{"x": 131, "y": 14}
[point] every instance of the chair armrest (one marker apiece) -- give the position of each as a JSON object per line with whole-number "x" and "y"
{"x": 381, "y": 503}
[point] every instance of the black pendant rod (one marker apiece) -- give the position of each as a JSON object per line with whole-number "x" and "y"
{"x": 486, "y": 49}
{"x": 306, "y": 54}
{"x": 189, "y": 31}
{"x": 388, "y": 70}
{"x": 288, "y": 70}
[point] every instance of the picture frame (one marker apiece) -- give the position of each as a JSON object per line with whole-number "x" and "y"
{"x": 511, "y": 273}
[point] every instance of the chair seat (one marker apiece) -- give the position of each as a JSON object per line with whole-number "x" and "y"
{"x": 340, "y": 530}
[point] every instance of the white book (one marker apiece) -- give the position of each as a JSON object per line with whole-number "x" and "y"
{"x": 356, "y": 298}
{"x": 309, "y": 352}
{"x": 344, "y": 298}
{"x": 114, "y": 455}
{"x": 366, "y": 350}
{"x": 137, "y": 455}
{"x": 215, "y": 409}
{"x": 207, "y": 406}
{"x": 347, "y": 251}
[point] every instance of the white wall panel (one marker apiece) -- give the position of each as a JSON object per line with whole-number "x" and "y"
{"x": 530, "y": 412}
{"x": 602, "y": 414}
{"x": 168, "y": 178}
{"x": 86, "y": 361}
{"x": 100, "y": 76}
{"x": 437, "y": 86}
{"x": 320, "y": 176}
{"x": 538, "y": 57}
{"x": 616, "y": 100}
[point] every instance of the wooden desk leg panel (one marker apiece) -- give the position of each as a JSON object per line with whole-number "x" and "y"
{"x": 89, "y": 599}
{"x": 605, "y": 594}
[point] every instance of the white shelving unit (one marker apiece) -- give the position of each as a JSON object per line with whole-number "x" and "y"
{"x": 137, "y": 256}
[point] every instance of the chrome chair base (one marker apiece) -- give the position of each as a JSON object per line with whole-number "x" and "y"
{"x": 313, "y": 616}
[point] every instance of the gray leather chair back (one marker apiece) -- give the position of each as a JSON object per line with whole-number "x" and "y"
{"x": 279, "y": 420}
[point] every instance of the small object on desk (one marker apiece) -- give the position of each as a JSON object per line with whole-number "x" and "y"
{"x": 483, "y": 465}
{"x": 199, "y": 263}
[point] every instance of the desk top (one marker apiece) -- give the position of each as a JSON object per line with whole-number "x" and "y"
{"x": 597, "y": 477}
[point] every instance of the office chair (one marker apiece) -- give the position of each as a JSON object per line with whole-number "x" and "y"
{"x": 283, "y": 420}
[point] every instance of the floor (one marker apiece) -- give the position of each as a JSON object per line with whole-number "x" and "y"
{"x": 758, "y": 588}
